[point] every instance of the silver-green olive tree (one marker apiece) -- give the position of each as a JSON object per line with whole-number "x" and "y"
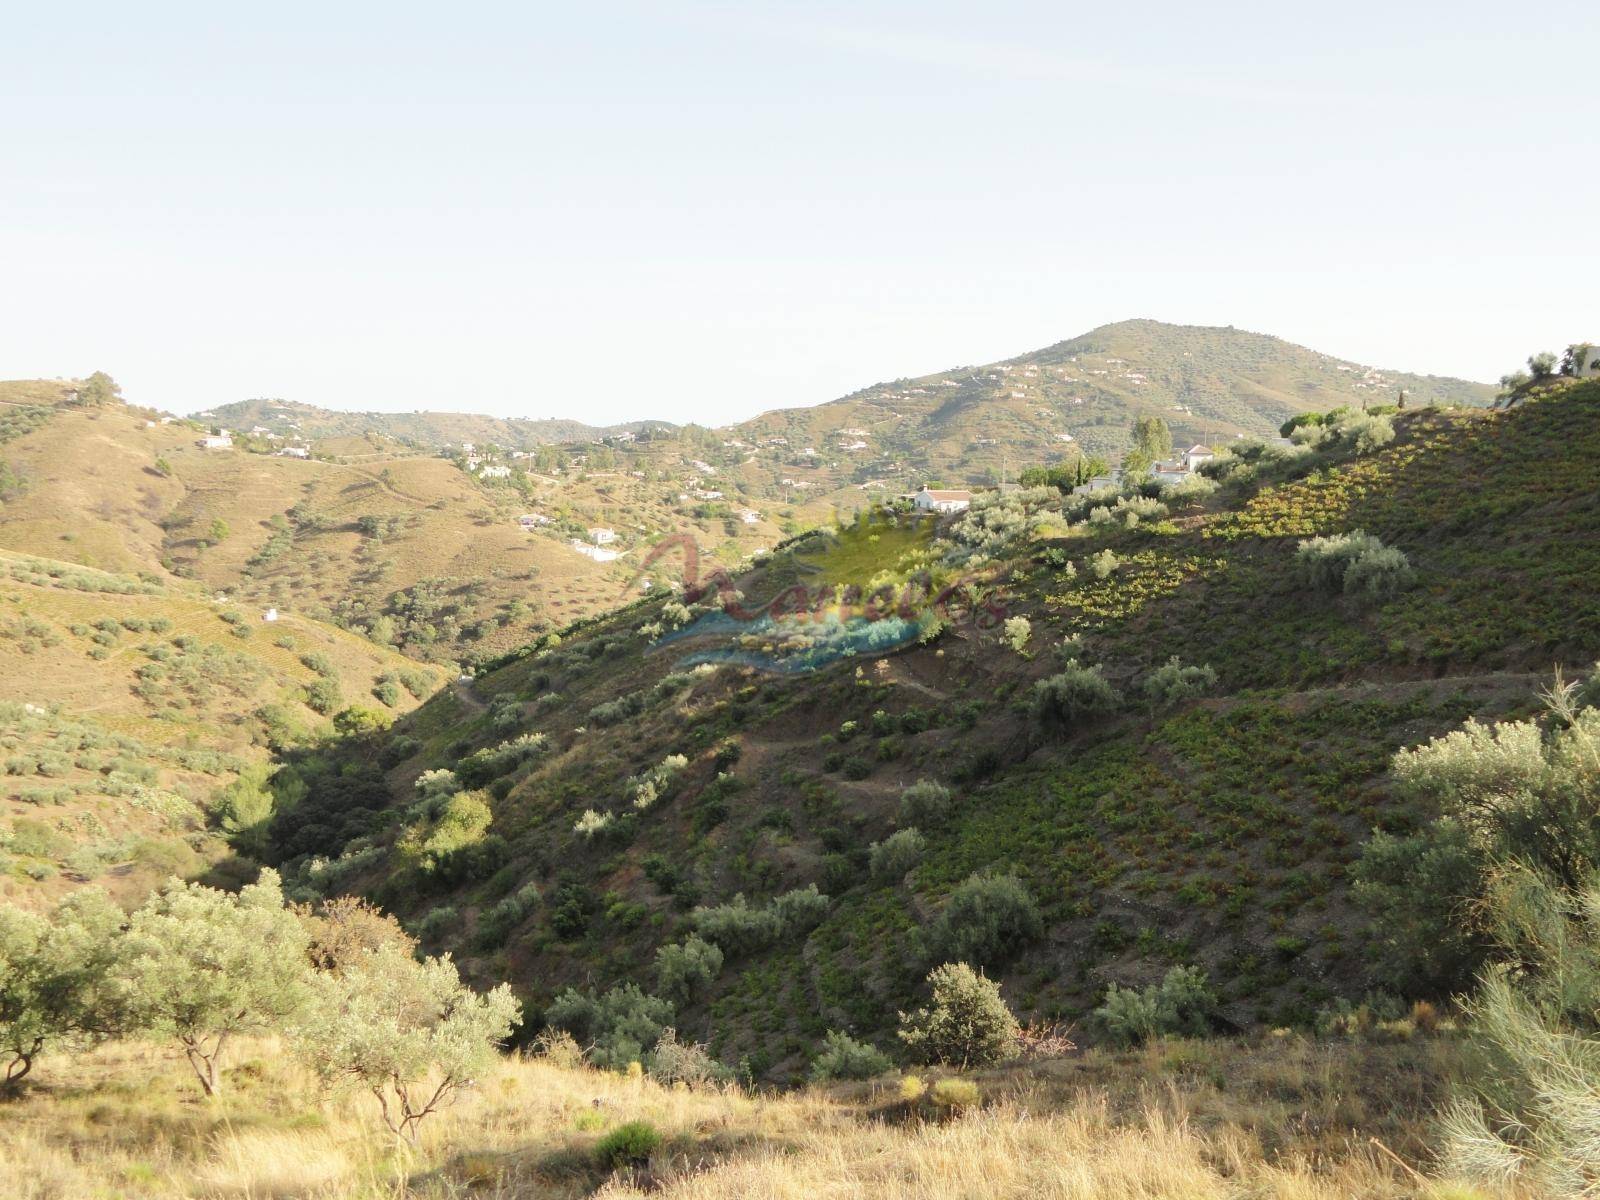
{"x": 56, "y": 979}
{"x": 409, "y": 1032}
{"x": 204, "y": 966}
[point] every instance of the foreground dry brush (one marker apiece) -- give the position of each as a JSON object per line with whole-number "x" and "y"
{"x": 1180, "y": 1120}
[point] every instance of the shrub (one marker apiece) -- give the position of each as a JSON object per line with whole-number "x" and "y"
{"x": 628, "y": 1145}
{"x": 688, "y": 1063}
{"x": 618, "y": 1026}
{"x": 1182, "y": 1003}
{"x": 1173, "y": 683}
{"x": 737, "y": 927}
{"x": 495, "y": 925}
{"x": 926, "y": 804}
{"x": 1378, "y": 575}
{"x": 1077, "y": 693}
{"x": 955, "y": 1094}
{"x": 432, "y": 785}
{"x": 988, "y": 919}
{"x": 437, "y": 921}
{"x": 890, "y": 859}
{"x": 842, "y": 1057}
{"x": 800, "y": 911}
{"x": 1354, "y": 562}
{"x": 1102, "y": 565}
{"x": 323, "y": 696}
{"x": 1017, "y": 632}
{"x": 966, "y": 1024}
{"x": 687, "y": 968}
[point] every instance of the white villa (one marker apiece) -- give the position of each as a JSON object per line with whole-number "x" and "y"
{"x": 942, "y": 500}
{"x": 494, "y": 472}
{"x": 602, "y": 536}
{"x": 216, "y": 441}
{"x": 532, "y": 520}
{"x": 295, "y": 452}
{"x": 598, "y": 553}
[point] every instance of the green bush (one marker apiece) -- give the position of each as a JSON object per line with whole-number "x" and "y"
{"x": 842, "y": 1057}
{"x": 926, "y": 804}
{"x": 1182, "y": 1004}
{"x": 1077, "y": 693}
{"x": 986, "y": 922}
{"x": 619, "y": 1027}
{"x": 1356, "y": 563}
{"x": 631, "y": 1144}
{"x": 890, "y": 859}
{"x": 1172, "y": 683}
{"x": 687, "y": 968}
{"x": 966, "y": 1023}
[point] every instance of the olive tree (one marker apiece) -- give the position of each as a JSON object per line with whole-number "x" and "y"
{"x": 204, "y": 966}
{"x": 55, "y": 979}
{"x": 409, "y": 1032}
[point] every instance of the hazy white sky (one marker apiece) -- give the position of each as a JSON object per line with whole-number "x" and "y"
{"x": 699, "y": 211}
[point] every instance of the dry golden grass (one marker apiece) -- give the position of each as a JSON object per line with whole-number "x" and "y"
{"x": 126, "y": 1121}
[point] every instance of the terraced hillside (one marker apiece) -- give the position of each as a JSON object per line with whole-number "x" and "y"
{"x": 671, "y": 769}
{"x": 130, "y": 708}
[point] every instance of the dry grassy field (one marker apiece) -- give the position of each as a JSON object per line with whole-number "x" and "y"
{"x": 1285, "y": 1118}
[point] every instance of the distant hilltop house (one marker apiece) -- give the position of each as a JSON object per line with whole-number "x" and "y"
{"x": 295, "y": 452}
{"x": 942, "y": 500}
{"x": 749, "y": 516}
{"x": 532, "y": 520}
{"x": 602, "y": 536}
{"x": 1586, "y": 362}
{"x": 215, "y": 441}
{"x": 493, "y": 472}
{"x": 1098, "y": 483}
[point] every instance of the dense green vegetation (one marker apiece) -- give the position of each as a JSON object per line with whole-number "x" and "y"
{"x": 1140, "y": 731}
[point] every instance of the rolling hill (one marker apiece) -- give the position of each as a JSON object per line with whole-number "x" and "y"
{"x": 667, "y": 769}
{"x": 132, "y": 704}
{"x": 410, "y": 548}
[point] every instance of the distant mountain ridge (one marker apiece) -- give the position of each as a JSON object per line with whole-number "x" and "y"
{"x": 1208, "y": 382}
{"x": 430, "y": 429}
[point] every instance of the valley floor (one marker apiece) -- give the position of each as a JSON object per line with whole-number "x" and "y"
{"x": 1285, "y": 1117}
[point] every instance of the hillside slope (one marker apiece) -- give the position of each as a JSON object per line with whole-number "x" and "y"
{"x": 977, "y": 424}
{"x": 131, "y": 704}
{"x": 1218, "y": 832}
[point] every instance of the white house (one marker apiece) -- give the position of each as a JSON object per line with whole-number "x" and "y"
{"x": 1588, "y": 362}
{"x": 1169, "y": 472}
{"x": 294, "y": 452}
{"x": 602, "y": 536}
{"x": 270, "y": 615}
{"x": 532, "y": 520}
{"x": 749, "y": 516}
{"x": 1197, "y": 456}
{"x": 598, "y": 553}
{"x": 215, "y": 441}
{"x": 942, "y": 500}
{"x": 494, "y": 473}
